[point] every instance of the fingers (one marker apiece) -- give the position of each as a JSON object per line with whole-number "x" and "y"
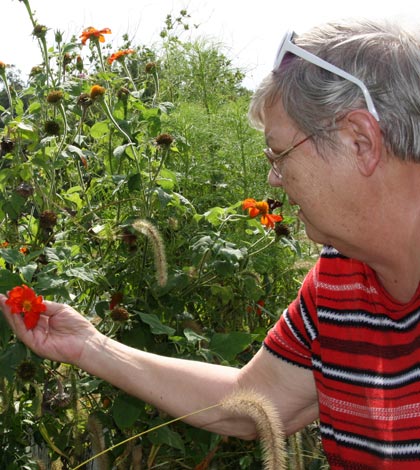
{"x": 15, "y": 321}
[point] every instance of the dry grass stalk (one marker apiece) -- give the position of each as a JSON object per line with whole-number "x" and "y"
{"x": 268, "y": 424}
{"x": 151, "y": 232}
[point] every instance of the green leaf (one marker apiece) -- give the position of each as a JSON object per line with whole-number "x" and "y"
{"x": 28, "y": 271}
{"x": 27, "y": 131}
{"x": 156, "y": 326}
{"x": 134, "y": 182}
{"x": 11, "y": 255}
{"x": 193, "y": 337}
{"x": 126, "y": 410}
{"x": 229, "y": 345}
{"x": 120, "y": 150}
{"x": 165, "y": 435}
{"x": 81, "y": 273}
{"x": 99, "y": 129}
{"x": 10, "y": 359}
{"x": 214, "y": 215}
{"x": 8, "y": 280}
{"x": 34, "y": 107}
{"x": 48, "y": 439}
{"x": 13, "y": 206}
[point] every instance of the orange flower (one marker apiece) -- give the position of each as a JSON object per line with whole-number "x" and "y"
{"x": 117, "y": 55}
{"x": 23, "y": 300}
{"x": 96, "y": 91}
{"x": 261, "y": 208}
{"x": 94, "y": 33}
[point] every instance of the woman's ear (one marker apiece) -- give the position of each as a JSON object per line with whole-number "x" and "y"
{"x": 366, "y": 140}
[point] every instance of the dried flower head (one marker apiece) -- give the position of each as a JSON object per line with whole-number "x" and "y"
{"x": 116, "y": 299}
{"x": 52, "y": 127}
{"x": 66, "y": 59}
{"x": 84, "y": 100}
{"x": 40, "y": 31}
{"x": 6, "y": 146}
{"x": 25, "y": 190}
{"x": 96, "y": 91}
{"x": 282, "y": 230}
{"x": 119, "y": 55}
{"x": 151, "y": 67}
{"x": 130, "y": 239}
{"x": 55, "y": 96}
{"x": 120, "y": 314}
{"x": 2, "y": 65}
{"x": 36, "y": 70}
{"x": 123, "y": 93}
{"x": 92, "y": 33}
{"x": 26, "y": 370}
{"x": 164, "y": 140}
{"x": 48, "y": 219}
{"x": 79, "y": 63}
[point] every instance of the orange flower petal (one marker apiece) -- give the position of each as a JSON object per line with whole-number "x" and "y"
{"x": 248, "y": 203}
{"x": 253, "y": 212}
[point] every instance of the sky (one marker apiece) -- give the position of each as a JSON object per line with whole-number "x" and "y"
{"x": 249, "y": 30}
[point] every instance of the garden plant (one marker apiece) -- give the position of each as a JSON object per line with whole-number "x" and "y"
{"x": 133, "y": 188}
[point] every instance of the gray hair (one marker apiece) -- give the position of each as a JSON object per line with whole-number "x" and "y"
{"x": 383, "y": 55}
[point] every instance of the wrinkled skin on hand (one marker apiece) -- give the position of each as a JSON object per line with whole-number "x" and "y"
{"x": 60, "y": 335}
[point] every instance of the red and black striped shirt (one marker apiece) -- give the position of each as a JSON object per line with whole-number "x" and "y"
{"x": 364, "y": 350}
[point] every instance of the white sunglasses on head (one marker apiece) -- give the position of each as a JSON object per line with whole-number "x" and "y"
{"x": 288, "y": 46}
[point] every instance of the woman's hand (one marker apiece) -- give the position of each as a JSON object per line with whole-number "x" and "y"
{"x": 60, "y": 335}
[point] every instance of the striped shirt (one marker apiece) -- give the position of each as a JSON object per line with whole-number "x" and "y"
{"x": 364, "y": 350}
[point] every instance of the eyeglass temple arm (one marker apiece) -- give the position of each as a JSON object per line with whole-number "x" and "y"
{"x": 312, "y": 58}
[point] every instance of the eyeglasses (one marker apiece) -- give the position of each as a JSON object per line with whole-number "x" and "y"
{"x": 288, "y": 46}
{"x": 275, "y": 158}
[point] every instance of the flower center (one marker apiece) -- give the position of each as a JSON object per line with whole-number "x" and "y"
{"x": 27, "y": 305}
{"x": 262, "y": 206}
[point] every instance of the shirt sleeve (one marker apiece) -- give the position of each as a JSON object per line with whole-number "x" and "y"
{"x": 292, "y": 336}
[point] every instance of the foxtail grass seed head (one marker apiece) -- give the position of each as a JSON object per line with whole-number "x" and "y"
{"x": 269, "y": 428}
{"x": 97, "y": 438}
{"x": 151, "y": 232}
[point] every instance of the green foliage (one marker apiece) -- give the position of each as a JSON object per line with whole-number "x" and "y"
{"x": 165, "y": 139}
